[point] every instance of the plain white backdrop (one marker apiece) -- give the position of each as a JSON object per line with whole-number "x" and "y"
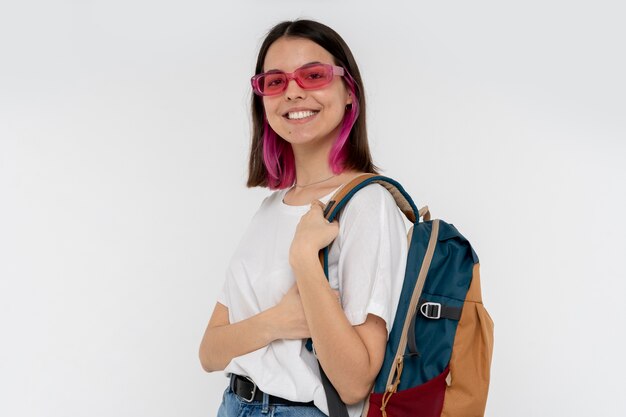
{"x": 124, "y": 132}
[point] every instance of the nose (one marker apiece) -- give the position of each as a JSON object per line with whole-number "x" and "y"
{"x": 293, "y": 90}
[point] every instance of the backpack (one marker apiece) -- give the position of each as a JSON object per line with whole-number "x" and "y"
{"x": 438, "y": 354}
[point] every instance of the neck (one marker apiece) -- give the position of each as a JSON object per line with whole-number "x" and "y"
{"x": 312, "y": 163}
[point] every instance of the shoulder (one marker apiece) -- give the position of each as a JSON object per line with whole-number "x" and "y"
{"x": 371, "y": 208}
{"x": 371, "y": 198}
{"x": 272, "y": 200}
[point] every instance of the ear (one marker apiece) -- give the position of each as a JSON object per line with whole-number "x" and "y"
{"x": 349, "y": 99}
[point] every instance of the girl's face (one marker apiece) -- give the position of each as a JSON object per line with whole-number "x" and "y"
{"x": 304, "y": 116}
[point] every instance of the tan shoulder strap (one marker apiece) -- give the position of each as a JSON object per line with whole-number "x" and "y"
{"x": 402, "y": 202}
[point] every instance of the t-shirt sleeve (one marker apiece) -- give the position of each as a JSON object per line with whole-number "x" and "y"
{"x": 370, "y": 255}
{"x": 222, "y": 297}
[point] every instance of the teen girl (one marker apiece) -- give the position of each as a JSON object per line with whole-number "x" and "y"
{"x": 309, "y": 139}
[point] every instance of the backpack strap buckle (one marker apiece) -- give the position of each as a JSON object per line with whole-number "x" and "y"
{"x": 431, "y": 310}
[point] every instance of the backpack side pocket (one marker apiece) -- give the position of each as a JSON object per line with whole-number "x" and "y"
{"x": 470, "y": 363}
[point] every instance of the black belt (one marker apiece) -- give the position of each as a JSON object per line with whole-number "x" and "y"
{"x": 247, "y": 390}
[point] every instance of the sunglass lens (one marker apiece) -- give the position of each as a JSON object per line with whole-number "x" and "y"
{"x": 272, "y": 83}
{"x": 315, "y": 76}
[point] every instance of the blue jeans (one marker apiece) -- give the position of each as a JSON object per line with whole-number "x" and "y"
{"x": 233, "y": 406}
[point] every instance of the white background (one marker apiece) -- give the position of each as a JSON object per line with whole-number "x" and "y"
{"x": 124, "y": 131}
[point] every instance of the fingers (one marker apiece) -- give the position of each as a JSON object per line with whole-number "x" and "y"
{"x": 317, "y": 203}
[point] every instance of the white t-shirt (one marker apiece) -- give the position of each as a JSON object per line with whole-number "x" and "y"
{"x": 366, "y": 262}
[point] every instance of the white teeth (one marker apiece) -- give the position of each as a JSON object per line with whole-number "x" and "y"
{"x": 300, "y": 114}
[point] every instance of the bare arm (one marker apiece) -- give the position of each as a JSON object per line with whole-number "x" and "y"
{"x": 223, "y": 341}
{"x": 350, "y": 355}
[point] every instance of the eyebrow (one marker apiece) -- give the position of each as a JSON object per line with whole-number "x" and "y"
{"x": 308, "y": 63}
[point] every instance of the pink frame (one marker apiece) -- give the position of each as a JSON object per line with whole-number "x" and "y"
{"x": 334, "y": 70}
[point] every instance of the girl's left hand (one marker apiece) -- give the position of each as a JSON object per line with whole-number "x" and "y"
{"x": 313, "y": 233}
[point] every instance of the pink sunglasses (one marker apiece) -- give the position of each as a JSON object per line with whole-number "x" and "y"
{"x": 308, "y": 77}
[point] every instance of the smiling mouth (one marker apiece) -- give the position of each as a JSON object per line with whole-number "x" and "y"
{"x": 298, "y": 115}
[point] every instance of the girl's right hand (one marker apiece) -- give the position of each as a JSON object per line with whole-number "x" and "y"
{"x": 292, "y": 322}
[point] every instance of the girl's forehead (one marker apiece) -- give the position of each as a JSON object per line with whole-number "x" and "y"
{"x": 288, "y": 54}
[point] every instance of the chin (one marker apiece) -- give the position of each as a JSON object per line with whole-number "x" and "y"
{"x": 301, "y": 140}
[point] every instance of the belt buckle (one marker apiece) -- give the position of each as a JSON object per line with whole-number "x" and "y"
{"x": 253, "y": 392}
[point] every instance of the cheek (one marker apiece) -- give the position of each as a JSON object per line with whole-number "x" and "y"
{"x": 270, "y": 108}
{"x": 271, "y": 104}
{"x": 337, "y": 101}
{"x": 267, "y": 107}
{"x": 336, "y": 106}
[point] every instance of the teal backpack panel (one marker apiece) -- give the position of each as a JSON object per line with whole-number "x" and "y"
{"x": 447, "y": 282}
